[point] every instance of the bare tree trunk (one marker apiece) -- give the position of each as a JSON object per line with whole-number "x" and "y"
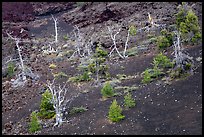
{"x": 126, "y": 44}
{"x": 17, "y": 40}
{"x": 56, "y": 34}
{"x": 59, "y": 101}
{"x": 113, "y": 37}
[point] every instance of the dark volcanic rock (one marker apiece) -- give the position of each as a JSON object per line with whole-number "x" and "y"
{"x": 47, "y": 8}
{"x": 17, "y": 11}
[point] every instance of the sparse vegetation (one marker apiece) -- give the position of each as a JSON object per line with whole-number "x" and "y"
{"x": 163, "y": 42}
{"x": 187, "y": 24}
{"x": 168, "y": 35}
{"x": 46, "y": 106}
{"x": 162, "y": 61}
{"x": 34, "y": 123}
{"x": 129, "y": 102}
{"x": 103, "y": 81}
{"x": 107, "y": 90}
{"x": 60, "y": 74}
{"x": 10, "y": 69}
{"x": 75, "y": 110}
{"x": 132, "y": 30}
{"x": 115, "y": 112}
{"x": 52, "y": 66}
{"x": 150, "y": 74}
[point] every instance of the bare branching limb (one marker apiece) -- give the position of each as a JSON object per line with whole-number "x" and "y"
{"x": 82, "y": 44}
{"x": 59, "y": 100}
{"x": 113, "y": 37}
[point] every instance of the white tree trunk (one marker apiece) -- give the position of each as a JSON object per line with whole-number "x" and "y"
{"x": 126, "y": 44}
{"x": 59, "y": 101}
{"x": 17, "y": 40}
{"x": 56, "y": 33}
{"x": 113, "y": 37}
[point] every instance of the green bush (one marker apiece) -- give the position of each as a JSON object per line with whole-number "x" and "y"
{"x": 115, "y": 112}
{"x": 65, "y": 37}
{"x": 132, "y": 30}
{"x": 129, "y": 101}
{"x": 100, "y": 52}
{"x": 75, "y": 110}
{"x": 94, "y": 64}
{"x": 156, "y": 72}
{"x": 149, "y": 74}
{"x": 84, "y": 77}
{"x": 34, "y": 123}
{"x": 107, "y": 90}
{"x": 168, "y": 35}
{"x": 162, "y": 61}
{"x": 163, "y": 42}
{"x": 188, "y": 66}
{"x": 46, "y": 106}
{"x": 10, "y": 69}
{"x": 187, "y": 23}
{"x": 92, "y": 67}
{"x": 176, "y": 73}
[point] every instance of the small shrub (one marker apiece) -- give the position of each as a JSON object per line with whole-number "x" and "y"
{"x": 156, "y": 72}
{"x": 132, "y": 51}
{"x": 46, "y": 106}
{"x": 84, "y": 77}
{"x": 147, "y": 76}
{"x": 115, "y": 112}
{"x": 132, "y": 30}
{"x": 80, "y": 78}
{"x": 60, "y": 74}
{"x": 188, "y": 66}
{"x": 176, "y": 73}
{"x": 52, "y": 66}
{"x": 65, "y": 37}
{"x": 75, "y": 110}
{"x": 74, "y": 79}
{"x": 107, "y": 90}
{"x": 10, "y": 69}
{"x": 92, "y": 67}
{"x": 162, "y": 61}
{"x": 34, "y": 123}
{"x": 163, "y": 42}
{"x": 100, "y": 52}
{"x": 187, "y": 24}
{"x": 129, "y": 101}
{"x": 168, "y": 35}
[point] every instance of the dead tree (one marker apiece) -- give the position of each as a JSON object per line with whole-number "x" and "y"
{"x": 180, "y": 58}
{"x": 82, "y": 44}
{"x": 126, "y": 44}
{"x": 25, "y": 71}
{"x": 151, "y": 25}
{"x": 56, "y": 34}
{"x": 113, "y": 37}
{"x": 59, "y": 100}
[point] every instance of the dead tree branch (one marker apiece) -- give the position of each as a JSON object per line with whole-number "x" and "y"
{"x": 59, "y": 100}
